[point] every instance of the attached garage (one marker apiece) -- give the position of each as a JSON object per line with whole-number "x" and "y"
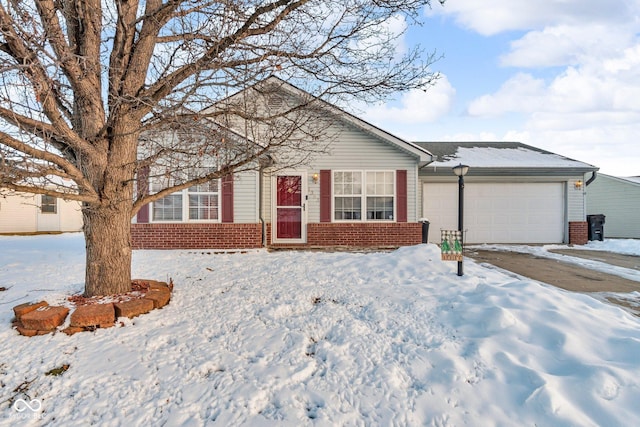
{"x": 498, "y": 212}
{"x": 514, "y": 193}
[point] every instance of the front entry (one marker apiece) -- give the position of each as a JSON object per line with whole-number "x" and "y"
{"x": 289, "y": 208}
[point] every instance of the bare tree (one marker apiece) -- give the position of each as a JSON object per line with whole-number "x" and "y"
{"x": 95, "y": 91}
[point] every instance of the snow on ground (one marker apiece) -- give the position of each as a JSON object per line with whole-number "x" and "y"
{"x": 316, "y": 338}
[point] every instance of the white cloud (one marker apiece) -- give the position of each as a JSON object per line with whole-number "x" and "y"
{"x": 488, "y": 18}
{"x": 602, "y": 86}
{"x": 566, "y": 45}
{"x": 612, "y": 147}
{"x": 416, "y": 106}
{"x": 521, "y": 93}
{"x": 629, "y": 60}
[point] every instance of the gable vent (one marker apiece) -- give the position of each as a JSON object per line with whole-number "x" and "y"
{"x": 275, "y": 102}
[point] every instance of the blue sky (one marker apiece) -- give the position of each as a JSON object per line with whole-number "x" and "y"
{"x": 562, "y": 75}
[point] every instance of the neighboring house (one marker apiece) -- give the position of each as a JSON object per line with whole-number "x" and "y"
{"x": 33, "y": 213}
{"x": 619, "y": 200}
{"x": 369, "y": 189}
{"x": 514, "y": 193}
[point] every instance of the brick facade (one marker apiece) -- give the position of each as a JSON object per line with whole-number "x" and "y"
{"x": 359, "y": 235}
{"x": 243, "y": 236}
{"x": 578, "y": 232}
{"x": 196, "y": 236}
{"x": 364, "y": 234}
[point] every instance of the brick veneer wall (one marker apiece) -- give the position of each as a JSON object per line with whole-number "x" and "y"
{"x": 359, "y": 235}
{"x": 242, "y": 236}
{"x": 196, "y": 236}
{"x": 578, "y": 232}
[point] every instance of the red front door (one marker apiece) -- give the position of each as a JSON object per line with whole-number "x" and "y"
{"x": 289, "y": 207}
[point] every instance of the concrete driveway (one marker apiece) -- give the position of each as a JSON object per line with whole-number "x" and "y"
{"x": 565, "y": 275}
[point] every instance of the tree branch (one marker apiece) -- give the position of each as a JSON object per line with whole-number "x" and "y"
{"x": 55, "y": 159}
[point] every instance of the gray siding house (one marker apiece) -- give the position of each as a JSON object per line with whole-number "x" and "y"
{"x": 360, "y": 190}
{"x": 369, "y": 188}
{"x": 619, "y": 200}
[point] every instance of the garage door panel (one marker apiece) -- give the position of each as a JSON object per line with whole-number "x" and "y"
{"x": 498, "y": 212}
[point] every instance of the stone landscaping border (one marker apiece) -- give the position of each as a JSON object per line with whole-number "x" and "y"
{"x": 40, "y": 318}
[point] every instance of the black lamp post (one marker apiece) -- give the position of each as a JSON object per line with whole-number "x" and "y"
{"x": 460, "y": 171}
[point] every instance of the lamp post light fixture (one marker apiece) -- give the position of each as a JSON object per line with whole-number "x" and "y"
{"x": 460, "y": 171}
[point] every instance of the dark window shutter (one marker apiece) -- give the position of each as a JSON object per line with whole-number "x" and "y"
{"x": 227, "y": 198}
{"x": 325, "y": 196}
{"x": 143, "y": 189}
{"x": 401, "y": 195}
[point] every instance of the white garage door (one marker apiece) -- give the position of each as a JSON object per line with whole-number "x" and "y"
{"x": 497, "y": 212}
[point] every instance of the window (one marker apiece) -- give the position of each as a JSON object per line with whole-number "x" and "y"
{"x": 197, "y": 203}
{"x": 375, "y": 190}
{"x": 48, "y": 204}
{"x": 347, "y": 190}
{"x": 203, "y": 201}
{"x": 380, "y": 195}
{"x": 168, "y": 208}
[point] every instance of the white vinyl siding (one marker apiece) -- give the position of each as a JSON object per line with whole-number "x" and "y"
{"x": 619, "y": 201}
{"x": 354, "y": 149}
{"x": 20, "y": 213}
{"x": 576, "y": 205}
{"x": 245, "y": 197}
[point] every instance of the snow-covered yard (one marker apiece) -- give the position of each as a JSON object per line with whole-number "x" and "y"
{"x": 314, "y": 338}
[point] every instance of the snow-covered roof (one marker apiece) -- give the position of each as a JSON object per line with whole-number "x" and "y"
{"x": 633, "y": 179}
{"x": 499, "y": 155}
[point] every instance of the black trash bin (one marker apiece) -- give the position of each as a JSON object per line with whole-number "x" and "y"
{"x": 596, "y": 226}
{"x": 425, "y": 230}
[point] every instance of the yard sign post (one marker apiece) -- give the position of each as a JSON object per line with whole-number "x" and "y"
{"x": 460, "y": 171}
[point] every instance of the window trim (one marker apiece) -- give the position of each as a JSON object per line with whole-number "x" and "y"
{"x": 185, "y": 207}
{"x": 363, "y": 196}
{"x": 54, "y": 204}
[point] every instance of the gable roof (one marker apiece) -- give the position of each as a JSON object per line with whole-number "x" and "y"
{"x": 630, "y": 180}
{"x": 423, "y": 155}
{"x": 500, "y": 157}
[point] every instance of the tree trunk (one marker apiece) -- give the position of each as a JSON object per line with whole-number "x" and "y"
{"x": 107, "y": 233}
{"x": 107, "y": 224}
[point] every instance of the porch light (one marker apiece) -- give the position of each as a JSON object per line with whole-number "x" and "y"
{"x": 577, "y": 185}
{"x": 460, "y": 170}
{"x": 315, "y": 178}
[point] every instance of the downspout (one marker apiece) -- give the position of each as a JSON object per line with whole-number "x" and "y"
{"x": 593, "y": 178}
{"x": 260, "y": 217}
{"x": 263, "y": 165}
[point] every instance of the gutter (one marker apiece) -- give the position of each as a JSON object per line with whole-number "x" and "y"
{"x": 263, "y": 166}
{"x": 260, "y": 218}
{"x": 593, "y": 178}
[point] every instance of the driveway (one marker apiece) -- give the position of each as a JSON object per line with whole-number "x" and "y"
{"x": 565, "y": 275}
